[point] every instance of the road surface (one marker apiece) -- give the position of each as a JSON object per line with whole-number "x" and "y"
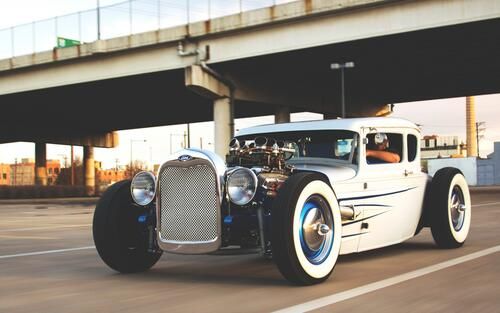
{"x": 48, "y": 264}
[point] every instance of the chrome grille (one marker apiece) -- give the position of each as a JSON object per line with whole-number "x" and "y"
{"x": 188, "y": 202}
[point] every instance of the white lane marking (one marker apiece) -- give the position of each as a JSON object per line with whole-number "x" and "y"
{"x": 47, "y": 227}
{"x": 484, "y": 204}
{"x": 45, "y": 252}
{"x": 352, "y": 293}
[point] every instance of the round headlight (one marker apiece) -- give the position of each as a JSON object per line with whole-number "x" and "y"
{"x": 143, "y": 188}
{"x": 241, "y": 185}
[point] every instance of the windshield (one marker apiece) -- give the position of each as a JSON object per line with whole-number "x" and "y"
{"x": 330, "y": 144}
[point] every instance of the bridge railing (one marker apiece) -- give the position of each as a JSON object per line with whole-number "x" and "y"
{"x": 120, "y": 19}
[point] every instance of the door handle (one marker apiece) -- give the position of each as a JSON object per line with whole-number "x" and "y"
{"x": 408, "y": 172}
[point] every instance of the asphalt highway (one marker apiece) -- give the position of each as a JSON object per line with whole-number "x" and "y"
{"x": 48, "y": 264}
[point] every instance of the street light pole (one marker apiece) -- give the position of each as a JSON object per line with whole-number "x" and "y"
{"x": 98, "y": 20}
{"x": 341, "y": 67}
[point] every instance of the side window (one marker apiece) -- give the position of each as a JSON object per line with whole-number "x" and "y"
{"x": 384, "y": 148}
{"x": 412, "y": 147}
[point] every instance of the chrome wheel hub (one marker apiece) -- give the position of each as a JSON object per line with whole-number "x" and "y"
{"x": 316, "y": 235}
{"x": 457, "y": 208}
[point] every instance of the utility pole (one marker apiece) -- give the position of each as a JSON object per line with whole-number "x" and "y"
{"x": 15, "y": 172}
{"x": 72, "y": 165}
{"x": 479, "y": 134}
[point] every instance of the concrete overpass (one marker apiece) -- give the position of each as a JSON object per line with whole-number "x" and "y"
{"x": 271, "y": 60}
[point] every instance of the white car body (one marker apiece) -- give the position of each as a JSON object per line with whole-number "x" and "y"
{"x": 300, "y": 193}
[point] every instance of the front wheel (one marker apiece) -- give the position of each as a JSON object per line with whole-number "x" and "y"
{"x": 450, "y": 214}
{"x": 120, "y": 239}
{"x": 307, "y": 229}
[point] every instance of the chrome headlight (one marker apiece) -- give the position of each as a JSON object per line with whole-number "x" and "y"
{"x": 241, "y": 185}
{"x": 143, "y": 188}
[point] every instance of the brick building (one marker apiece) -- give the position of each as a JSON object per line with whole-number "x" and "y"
{"x": 109, "y": 176}
{"x": 5, "y": 174}
{"x": 23, "y": 173}
{"x": 53, "y": 170}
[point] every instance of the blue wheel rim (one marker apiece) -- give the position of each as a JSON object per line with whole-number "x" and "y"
{"x": 314, "y": 212}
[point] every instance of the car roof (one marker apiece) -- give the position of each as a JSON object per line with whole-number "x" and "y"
{"x": 352, "y": 124}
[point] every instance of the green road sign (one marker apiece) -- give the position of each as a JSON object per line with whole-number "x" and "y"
{"x": 65, "y": 42}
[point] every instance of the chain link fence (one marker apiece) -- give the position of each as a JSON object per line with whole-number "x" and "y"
{"x": 120, "y": 19}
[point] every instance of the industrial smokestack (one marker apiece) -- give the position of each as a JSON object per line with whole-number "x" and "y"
{"x": 470, "y": 120}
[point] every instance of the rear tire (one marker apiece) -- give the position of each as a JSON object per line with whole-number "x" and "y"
{"x": 121, "y": 241}
{"x": 305, "y": 255}
{"x": 450, "y": 214}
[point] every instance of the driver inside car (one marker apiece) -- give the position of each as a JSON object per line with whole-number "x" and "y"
{"x": 380, "y": 152}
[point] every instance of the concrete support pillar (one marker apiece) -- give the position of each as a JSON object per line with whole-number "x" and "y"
{"x": 223, "y": 124}
{"x": 282, "y": 115}
{"x": 89, "y": 170}
{"x": 40, "y": 164}
{"x": 470, "y": 120}
{"x": 209, "y": 84}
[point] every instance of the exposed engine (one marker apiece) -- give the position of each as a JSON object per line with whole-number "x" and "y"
{"x": 266, "y": 157}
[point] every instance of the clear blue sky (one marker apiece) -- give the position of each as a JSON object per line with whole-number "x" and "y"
{"x": 441, "y": 117}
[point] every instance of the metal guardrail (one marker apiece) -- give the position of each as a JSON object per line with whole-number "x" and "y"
{"x": 120, "y": 19}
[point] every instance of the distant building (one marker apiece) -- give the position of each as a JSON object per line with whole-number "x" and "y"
{"x": 477, "y": 171}
{"x": 432, "y": 147}
{"x": 5, "y": 174}
{"x": 53, "y": 170}
{"x": 109, "y": 176}
{"x": 23, "y": 173}
{"x": 488, "y": 170}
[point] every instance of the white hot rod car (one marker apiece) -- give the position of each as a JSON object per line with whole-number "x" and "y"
{"x": 302, "y": 193}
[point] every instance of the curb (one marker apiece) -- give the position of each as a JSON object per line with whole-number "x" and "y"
{"x": 484, "y": 189}
{"x": 80, "y": 201}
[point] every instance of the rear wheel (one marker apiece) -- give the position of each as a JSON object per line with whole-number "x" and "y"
{"x": 450, "y": 214}
{"x": 306, "y": 231}
{"x": 120, "y": 238}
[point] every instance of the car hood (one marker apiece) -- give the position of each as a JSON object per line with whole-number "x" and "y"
{"x": 334, "y": 171}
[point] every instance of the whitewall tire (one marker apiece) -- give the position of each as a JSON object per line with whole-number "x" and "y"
{"x": 451, "y": 211}
{"x": 307, "y": 229}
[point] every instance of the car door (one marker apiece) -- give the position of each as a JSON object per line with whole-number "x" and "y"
{"x": 417, "y": 180}
{"x": 388, "y": 196}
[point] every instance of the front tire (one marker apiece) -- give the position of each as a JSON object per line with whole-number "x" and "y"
{"x": 450, "y": 216}
{"x": 121, "y": 241}
{"x": 307, "y": 229}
